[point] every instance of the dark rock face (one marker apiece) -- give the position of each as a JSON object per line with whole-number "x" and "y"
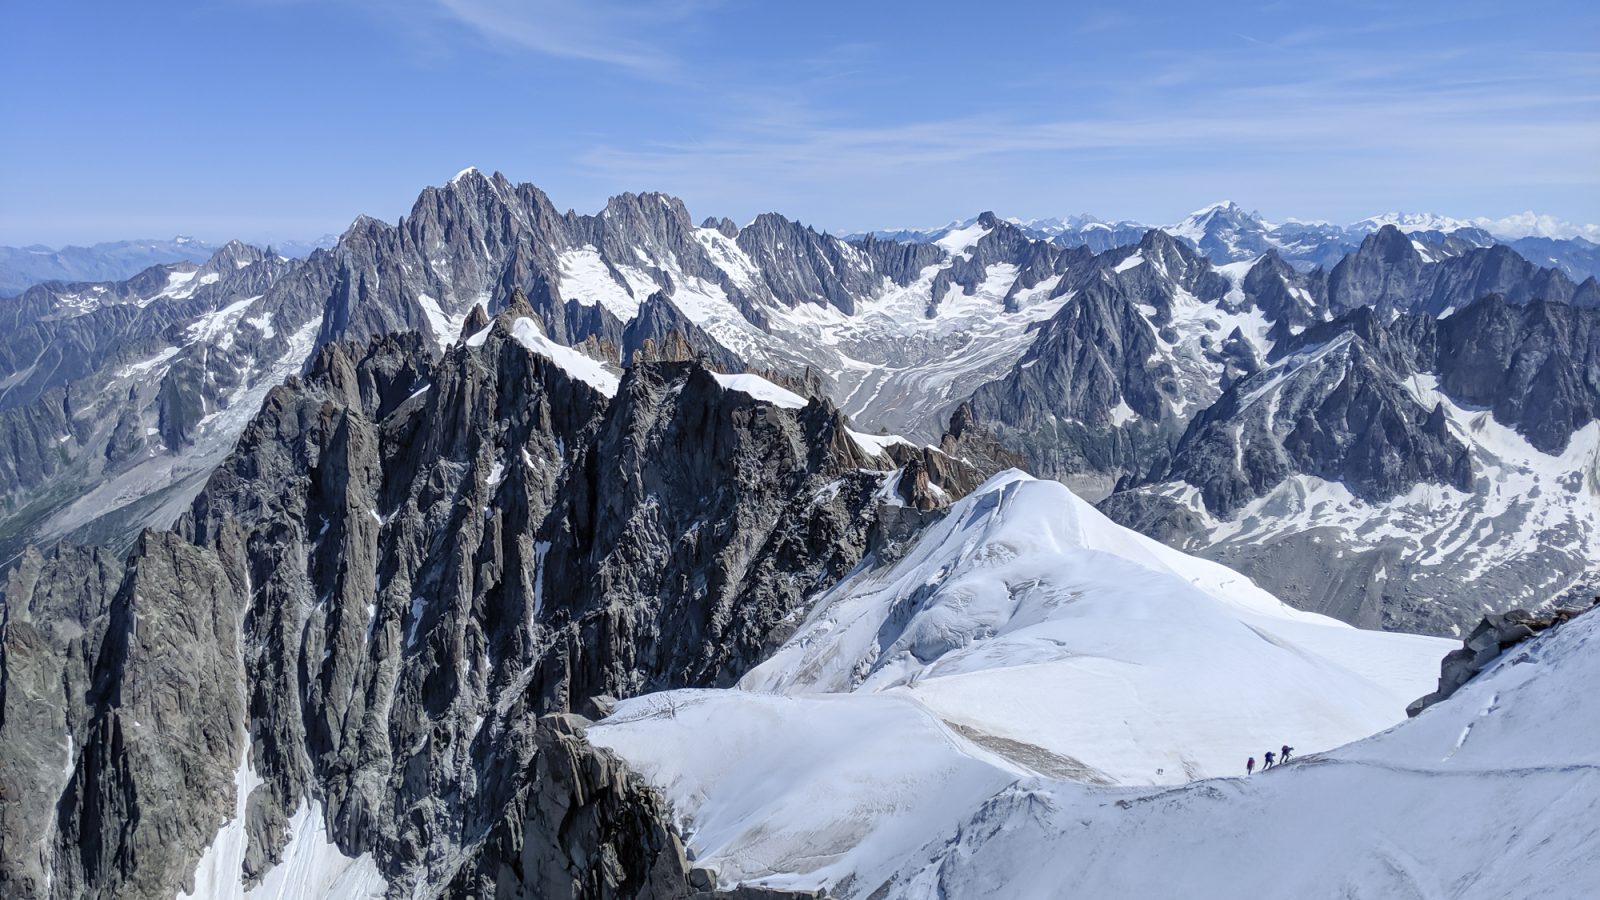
{"x": 800, "y": 265}
{"x": 1336, "y": 411}
{"x": 124, "y": 718}
{"x": 582, "y": 827}
{"x": 662, "y": 333}
{"x": 1283, "y": 295}
{"x": 1537, "y": 366}
{"x": 1388, "y": 272}
{"x": 1341, "y": 402}
{"x": 1162, "y": 374}
{"x": 167, "y": 728}
{"x": 402, "y": 565}
{"x": 1385, "y": 272}
{"x": 1059, "y": 405}
{"x": 737, "y": 469}
{"x": 53, "y": 618}
{"x": 1098, "y": 396}
{"x": 103, "y": 383}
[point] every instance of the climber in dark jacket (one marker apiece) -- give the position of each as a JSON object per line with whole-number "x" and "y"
{"x": 1266, "y": 761}
{"x": 1284, "y": 756}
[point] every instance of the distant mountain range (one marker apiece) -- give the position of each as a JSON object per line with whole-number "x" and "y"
{"x": 23, "y": 267}
{"x": 1138, "y": 374}
{"x": 1226, "y": 232}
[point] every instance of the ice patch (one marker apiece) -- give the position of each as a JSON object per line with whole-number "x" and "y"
{"x": 262, "y": 323}
{"x": 446, "y": 328}
{"x": 218, "y": 327}
{"x": 147, "y": 365}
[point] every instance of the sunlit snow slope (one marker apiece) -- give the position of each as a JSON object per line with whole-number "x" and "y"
{"x": 1494, "y": 793}
{"x": 1023, "y": 640}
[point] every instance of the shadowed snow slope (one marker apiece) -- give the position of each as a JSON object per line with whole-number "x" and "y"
{"x": 1025, "y": 645}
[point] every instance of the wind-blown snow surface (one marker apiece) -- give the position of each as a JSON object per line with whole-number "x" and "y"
{"x": 1023, "y": 640}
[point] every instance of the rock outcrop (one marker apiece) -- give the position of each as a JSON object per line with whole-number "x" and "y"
{"x": 1494, "y": 636}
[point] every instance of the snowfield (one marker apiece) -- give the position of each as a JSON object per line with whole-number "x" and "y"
{"x": 1494, "y": 793}
{"x": 1033, "y": 697}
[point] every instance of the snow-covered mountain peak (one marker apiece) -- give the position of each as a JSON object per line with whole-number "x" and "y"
{"x": 1221, "y": 206}
{"x": 1409, "y": 222}
{"x": 1026, "y": 639}
{"x": 956, "y": 241}
{"x": 1024, "y": 573}
{"x": 1225, "y": 232}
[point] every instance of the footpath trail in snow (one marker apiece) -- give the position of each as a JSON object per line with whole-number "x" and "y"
{"x": 1026, "y": 661}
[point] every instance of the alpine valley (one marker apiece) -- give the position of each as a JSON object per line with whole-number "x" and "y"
{"x": 510, "y": 552}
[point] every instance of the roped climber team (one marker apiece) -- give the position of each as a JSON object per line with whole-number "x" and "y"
{"x": 1268, "y": 759}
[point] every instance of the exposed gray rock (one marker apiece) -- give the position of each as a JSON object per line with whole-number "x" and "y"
{"x": 53, "y": 617}
{"x": 1493, "y": 637}
{"x": 803, "y": 266}
{"x": 163, "y": 729}
{"x": 661, "y": 332}
{"x": 1389, "y": 273}
{"x": 583, "y": 826}
{"x": 1536, "y": 365}
{"x": 1335, "y": 411}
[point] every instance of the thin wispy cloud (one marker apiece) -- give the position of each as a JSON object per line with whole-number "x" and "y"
{"x": 626, "y": 34}
{"x": 1343, "y": 115}
{"x": 848, "y": 116}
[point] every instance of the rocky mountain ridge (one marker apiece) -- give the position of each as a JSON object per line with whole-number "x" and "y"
{"x": 403, "y": 563}
{"x": 1092, "y": 365}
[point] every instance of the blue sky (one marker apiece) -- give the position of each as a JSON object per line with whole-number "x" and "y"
{"x": 285, "y": 118}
